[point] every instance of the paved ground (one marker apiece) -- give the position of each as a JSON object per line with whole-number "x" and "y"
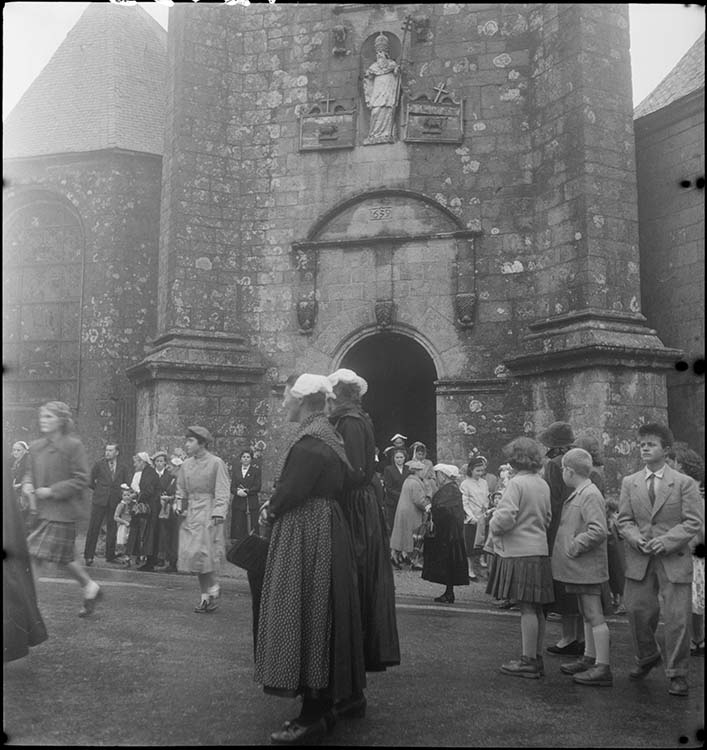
{"x": 145, "y": 670}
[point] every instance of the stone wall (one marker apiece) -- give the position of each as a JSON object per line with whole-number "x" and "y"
{"x": 115, "y": 196}
{"x": 670, "y": 151}
{"x": 533, "y": 211}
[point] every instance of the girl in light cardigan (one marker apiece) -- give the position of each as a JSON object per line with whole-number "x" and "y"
{"x": 518, "y": 534}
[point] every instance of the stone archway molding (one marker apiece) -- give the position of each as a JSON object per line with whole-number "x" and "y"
{"x": 361, "y": 334}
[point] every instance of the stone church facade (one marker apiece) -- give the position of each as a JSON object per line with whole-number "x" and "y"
{"x": 472, "y": 251}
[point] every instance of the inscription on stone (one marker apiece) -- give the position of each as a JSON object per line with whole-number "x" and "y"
{"x": 380, "y": 213}
{"x": 433, "y": 121}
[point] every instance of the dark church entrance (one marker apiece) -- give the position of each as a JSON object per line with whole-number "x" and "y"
{"x": 401, "y": 390}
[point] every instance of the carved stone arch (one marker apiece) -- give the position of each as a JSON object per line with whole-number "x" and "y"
{"x": 364, "y": 332}
{"x": 447, "y": 220}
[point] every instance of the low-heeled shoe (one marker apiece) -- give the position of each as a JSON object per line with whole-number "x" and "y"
{"x": 641, "y": 670}
{"x": 294, "y": 733}
{"x": 571, "y": 649}
{"x": 678, "y": 686}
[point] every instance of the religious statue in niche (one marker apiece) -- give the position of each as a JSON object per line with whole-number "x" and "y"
{"x": 381, "y": 87}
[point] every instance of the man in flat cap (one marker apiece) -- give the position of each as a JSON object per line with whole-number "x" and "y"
{"x": 203, "y": 490}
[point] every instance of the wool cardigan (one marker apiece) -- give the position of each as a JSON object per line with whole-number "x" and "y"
{"x": 521, "y": 519}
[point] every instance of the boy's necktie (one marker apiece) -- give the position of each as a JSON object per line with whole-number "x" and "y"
{"x": 651, "y": 489}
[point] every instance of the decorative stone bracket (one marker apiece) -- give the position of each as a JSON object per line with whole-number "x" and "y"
{"x": 340, "y": 33}
{"x": 385, "y": 312}
{"x": 305, "y": 261}
{"x": 465, "y": 296}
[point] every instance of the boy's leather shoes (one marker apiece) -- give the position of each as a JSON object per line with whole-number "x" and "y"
{"x": 678, "y": 686}
{"x": 641, "y": 670}
{"x": 525, "y": 667}
{"x": 580, "y": 665}
{"x": 599, "y": 675}
{"x": 571, "y": 649}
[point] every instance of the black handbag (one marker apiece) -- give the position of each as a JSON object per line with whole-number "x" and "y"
{"x": 249, "y": 553}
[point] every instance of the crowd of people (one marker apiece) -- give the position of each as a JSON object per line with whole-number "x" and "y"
{"x": 542, "y": 531}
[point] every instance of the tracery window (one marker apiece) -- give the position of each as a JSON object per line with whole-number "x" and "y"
{"x": 42, "y": 280}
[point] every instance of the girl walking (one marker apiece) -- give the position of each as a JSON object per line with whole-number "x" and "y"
{"x": 522, "y": 573}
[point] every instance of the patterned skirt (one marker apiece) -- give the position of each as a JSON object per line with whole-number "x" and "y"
{"x": 53, "y": 541}
{"x": 521, "y": 579}
{"x": 698, "y": 585}
{"x": 295, "y": 622}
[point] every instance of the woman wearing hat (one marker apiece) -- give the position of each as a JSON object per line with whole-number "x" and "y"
{"x": 410, "y": 513}
{"x": 202, "y": 496}
{"x": 310, "y": 641}
{"x": 445, "y": 554}
{"x": 56, "y": 478}
{"x": 168, "y": 520}
{"x": 366, "y": 519}
{"x": 146, "y": 484}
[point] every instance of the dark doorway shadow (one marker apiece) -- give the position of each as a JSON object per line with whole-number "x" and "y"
{"x": 401, "y": 390}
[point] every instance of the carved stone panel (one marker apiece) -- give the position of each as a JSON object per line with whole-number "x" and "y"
{"x": 327, "y": 127}
{"x": 438, "y": 120}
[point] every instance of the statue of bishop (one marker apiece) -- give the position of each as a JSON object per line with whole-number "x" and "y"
{"x": 380, "y": 88}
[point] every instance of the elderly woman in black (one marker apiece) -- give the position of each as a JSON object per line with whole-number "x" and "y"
{"x": 309, "y": 630}
{"x": 445, "y": 554}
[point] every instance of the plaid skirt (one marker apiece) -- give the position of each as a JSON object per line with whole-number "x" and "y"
{"x": 521, "y": 579}
{"x": 53, "y": 541}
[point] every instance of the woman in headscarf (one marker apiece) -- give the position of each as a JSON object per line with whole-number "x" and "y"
{"x": 56, "y": 479}
{"x": 418, "y": 452}
{"x": 20, "y": 461}
{"x": 409, "y": 515}
{"x": 145, "y": 485}
{"x": 309, "y": 630}
{"x": 445, "y": 554}
{"x": 366, "y": 520}
{"x": 203, "y": 494}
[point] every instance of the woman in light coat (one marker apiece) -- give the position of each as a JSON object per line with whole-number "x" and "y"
{"x": 410, "y": 513}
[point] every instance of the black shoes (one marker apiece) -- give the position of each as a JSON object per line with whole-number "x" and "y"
{"x": 89, "y": 562}
{"x": 571, "y": 649}
{"x": 678, "y": 686}
{"x": 147, "y": 567}
{"x": 351, "y": 708}
{"x": 445, "y": 599}
{"x": 641, "y": 670}
{"x": 295, "y": 733}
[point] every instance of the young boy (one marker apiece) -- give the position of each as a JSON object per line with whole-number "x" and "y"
{"x": 579, "y": 560}
{"x": 660, "y": 511}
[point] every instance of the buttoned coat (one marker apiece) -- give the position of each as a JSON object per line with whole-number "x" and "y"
{"x": 675, "y": 518}
{"x": 579, "y": 554}
{"x": 60, "y": 463}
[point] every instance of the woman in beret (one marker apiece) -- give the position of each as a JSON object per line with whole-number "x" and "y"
{"x": 202, "y": 495}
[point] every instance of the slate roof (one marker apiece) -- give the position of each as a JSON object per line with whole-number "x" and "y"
{"x": 103, "y": 88}
{"x": 687, "y": 76}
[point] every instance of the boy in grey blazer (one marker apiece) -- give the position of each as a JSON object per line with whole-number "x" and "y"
{"x": 660, "y": 510}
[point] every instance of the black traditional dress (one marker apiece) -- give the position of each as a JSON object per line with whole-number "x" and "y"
{"x": 22, "y": 624}
{"x": 309, "y": 631}
{"x": 445, "y": 554}
{"x": 366, "y": 519}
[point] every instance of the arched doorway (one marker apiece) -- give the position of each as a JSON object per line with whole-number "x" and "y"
{"x": 401, "y": 390}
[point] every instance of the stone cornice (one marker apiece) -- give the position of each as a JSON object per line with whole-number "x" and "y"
{"x": 385, "y": 239}
{"x": 593, "y": 356}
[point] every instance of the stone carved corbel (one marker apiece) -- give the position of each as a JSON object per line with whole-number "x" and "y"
{"x": 422, "y": 27}
{"x": 340, "y": 33}
{"x": 305, "y": 262}
{"x": 465, "y": 309}
{"x": 385, "y": 312}
{"x": 307, "y": 308}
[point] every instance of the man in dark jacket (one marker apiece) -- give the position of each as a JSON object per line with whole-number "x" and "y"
{"x": 106, "y": 477}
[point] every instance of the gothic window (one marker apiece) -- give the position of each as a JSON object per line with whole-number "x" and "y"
{"x": 42, "y": 282}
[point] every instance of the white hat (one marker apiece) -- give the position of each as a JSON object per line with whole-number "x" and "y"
{"x": 143, "y": 456}
{"x": 414, "y": 464}
{"x": 342, "y": 375}
{"x": 449, "y": 469}
{"x": 176, "y": 461}
{"x": 396, "y": 436}
{"x": 308, "y": 384}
